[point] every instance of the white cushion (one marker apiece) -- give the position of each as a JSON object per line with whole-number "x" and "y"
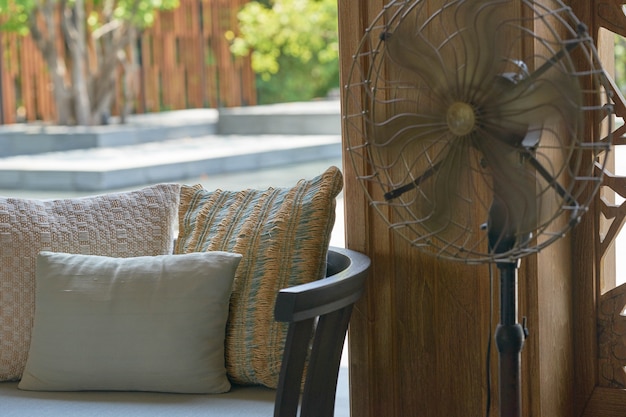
{"x": 153, "y": 323}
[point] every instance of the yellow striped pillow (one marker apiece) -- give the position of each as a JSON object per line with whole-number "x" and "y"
{"x": 283, "y": 235}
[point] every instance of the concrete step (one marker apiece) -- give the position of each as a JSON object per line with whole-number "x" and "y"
{"x": 105, "y": 168}
{"x": 309, "y": 118}
{"x": 321, "y": 117}
{"x": 34, "y": 138}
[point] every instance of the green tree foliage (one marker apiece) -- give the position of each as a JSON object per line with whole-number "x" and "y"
{"x": 99, "y": 36}
{"x": 620, "y": 62}
{"x": 293, "y": 45}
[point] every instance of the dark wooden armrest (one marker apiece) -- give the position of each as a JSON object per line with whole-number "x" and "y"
{"x": 319, "y": 312}
{"x": 343, "y": 285}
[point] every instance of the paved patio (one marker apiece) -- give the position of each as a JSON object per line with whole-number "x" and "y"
{"x": 169, "y": 146}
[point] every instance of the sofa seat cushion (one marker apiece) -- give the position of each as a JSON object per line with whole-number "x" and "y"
{"x": 239, "y": 402}
{"x": 248, "y": 401}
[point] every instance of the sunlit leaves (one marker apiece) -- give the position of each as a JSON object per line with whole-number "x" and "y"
{"x": 14, "y": 14}
{"x": 620, "y": 62}
{"x": 295, "y": 35}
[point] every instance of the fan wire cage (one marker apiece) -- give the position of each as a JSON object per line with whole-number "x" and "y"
{"x": 465, "y": 124}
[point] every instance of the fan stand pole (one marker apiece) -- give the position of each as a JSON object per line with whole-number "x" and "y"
{"x": 510, "y": 341}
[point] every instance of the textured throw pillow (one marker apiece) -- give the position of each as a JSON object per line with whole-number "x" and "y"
{"x": 152, "y": 323}
{"x": 283, "y": 235}
{"x": 133, "y": 223}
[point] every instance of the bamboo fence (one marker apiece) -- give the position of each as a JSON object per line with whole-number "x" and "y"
{"x": 184, "y": 58}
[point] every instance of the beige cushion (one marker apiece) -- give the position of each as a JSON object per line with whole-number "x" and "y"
{"x": 125, "y": 224}
{"x": 153, "y": 323}
{"x": 283, "y": 235}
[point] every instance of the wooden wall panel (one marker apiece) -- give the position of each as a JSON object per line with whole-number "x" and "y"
{"x": 585, "y": 284}
{"x": 418, "y": 339}
{"x": 373, "y": 386}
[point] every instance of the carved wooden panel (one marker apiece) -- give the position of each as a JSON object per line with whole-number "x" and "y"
{"x": 610, "y": 15}
{"x": 612, "y": 338}
{"x": 611, "y": 321}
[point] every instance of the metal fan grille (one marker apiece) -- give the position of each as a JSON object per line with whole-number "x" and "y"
{"x": 433, "y": 169}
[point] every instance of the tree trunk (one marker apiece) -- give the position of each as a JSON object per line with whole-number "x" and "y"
{"x": 84, "y": 96}
{"x": 73, "y": 28}
{"x": 131, "y": 74}
{"x": 46, "y": 44}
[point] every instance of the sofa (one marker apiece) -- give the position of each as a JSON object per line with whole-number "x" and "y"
{"x": 175, "y": 300}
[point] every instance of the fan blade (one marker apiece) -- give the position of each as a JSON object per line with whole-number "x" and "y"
{"x": 438, "y": 205}
{"x": 465, "y": 62}
{"x": 404, "y": 128}
{"x": 409, "y": 48}
{"x": 482, "y": 44}
{"x": 397, "y": 192}
{"x": 514, "y": 108}
{"x": 513, "y": 214}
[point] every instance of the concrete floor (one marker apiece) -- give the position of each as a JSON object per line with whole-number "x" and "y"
{"x": 280, "y": 176}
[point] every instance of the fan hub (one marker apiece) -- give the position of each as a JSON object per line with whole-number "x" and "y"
{"x": 461, "y": 118}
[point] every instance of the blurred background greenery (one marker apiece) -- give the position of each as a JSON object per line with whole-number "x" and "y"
{"x": 620, "y": 62}
{"x": 293, "y": 45}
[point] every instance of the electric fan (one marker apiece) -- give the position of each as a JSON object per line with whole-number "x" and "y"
{"x": 464, "y": 122}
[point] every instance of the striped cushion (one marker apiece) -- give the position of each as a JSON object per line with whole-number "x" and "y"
{"x": 125, "y": 224}
{"x": 283, "y": 235}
